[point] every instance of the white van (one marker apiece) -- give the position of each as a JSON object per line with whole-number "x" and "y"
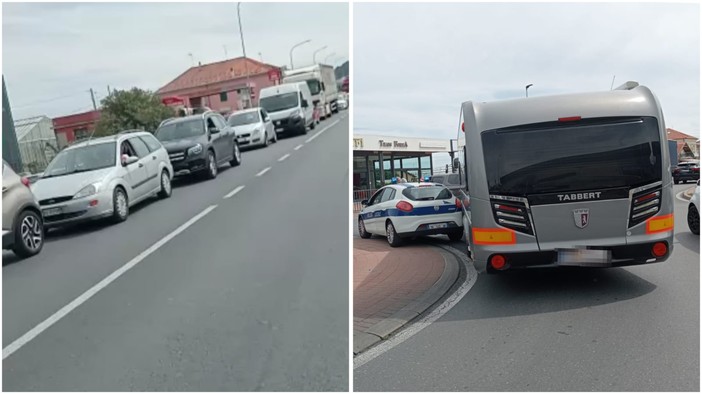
{"x": 290, "y": 107}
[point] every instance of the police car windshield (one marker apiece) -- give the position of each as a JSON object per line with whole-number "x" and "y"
{"x": 599, "y": 154}
{"x": 426, "y": 193}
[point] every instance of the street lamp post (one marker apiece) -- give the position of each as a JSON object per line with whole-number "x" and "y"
{"x": 314, "y": 55}
{"x": 292, "y": 49}
{"x": 328, "y": 56}
{"x": 243, "y": 48}
{"x": 527, "y": 88}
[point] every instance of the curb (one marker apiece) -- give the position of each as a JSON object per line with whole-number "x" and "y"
{"x": 362, "y": 340}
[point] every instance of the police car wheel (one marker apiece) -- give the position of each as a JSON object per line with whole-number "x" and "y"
{"x": 362, "y": 229}
{"x": 455, "y": 235}
{"x": 393, "y": 239}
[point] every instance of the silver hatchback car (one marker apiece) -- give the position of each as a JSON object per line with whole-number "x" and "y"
{"x": 102, "y": 178}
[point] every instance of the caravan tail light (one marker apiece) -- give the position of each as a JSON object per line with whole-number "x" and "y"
{"x": 498, "y": 261}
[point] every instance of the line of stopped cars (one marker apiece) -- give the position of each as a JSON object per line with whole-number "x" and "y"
{"x": 101, "y": 178}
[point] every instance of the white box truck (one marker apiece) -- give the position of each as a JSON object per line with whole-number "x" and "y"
{"x": 322, "y": 83}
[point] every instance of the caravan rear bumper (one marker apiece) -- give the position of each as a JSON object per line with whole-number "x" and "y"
{"x": 621, "y": 255}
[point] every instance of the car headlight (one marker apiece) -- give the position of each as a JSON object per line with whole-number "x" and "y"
{"x": 87, "y": 191}
{"x": 195, "y": 150}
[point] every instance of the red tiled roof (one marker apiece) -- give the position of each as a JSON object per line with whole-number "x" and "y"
{"x": 216, "y": 72}
{"x": 676, "y": 135}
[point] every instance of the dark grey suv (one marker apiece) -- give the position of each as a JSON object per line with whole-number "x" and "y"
{"x": 199, "y": 144}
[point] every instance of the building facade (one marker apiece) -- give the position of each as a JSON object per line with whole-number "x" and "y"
{"x": 76, "y": 127}
{"x": 688, "y": 145}
{"x": 222, "y": 86}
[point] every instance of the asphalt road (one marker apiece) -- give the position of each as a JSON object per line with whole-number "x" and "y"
{"x": 252, "y": 296}
{"x": 616, "y": 329}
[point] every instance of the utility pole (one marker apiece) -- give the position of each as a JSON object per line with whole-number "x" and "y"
{"x": 109, "y": 92}
{"x": 92, "y": 97}
{"x": 243, "y": 49}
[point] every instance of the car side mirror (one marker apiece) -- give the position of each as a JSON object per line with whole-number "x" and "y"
{"x": 456, "y": 163}
{"x": 364, "y": 203}
{"x": 213, "y": 130}
{"x": 305, "y": 104}
{"x": 127, "y": 160}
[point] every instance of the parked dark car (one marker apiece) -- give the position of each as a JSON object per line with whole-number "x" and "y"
{"x": 199, "y": 144}
{"x": 686, "y": 171}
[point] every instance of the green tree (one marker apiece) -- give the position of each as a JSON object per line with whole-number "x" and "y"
{"x": 131, "y": 109}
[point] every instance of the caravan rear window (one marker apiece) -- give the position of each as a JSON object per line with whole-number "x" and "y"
{"x": 559, "y": 157}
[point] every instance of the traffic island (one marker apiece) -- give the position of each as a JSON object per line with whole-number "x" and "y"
{"x": 392, "y": 286}
{"x": 687, "y": 194}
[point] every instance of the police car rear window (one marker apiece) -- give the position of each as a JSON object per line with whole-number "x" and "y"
{"x": 426, "y": 193}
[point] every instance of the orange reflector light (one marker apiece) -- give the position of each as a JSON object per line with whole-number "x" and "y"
{"x": 493, "y": 236}
{"x": 659, "y": 224}
{"x": 498, "y": 261}
{"x": 659, "y": 249}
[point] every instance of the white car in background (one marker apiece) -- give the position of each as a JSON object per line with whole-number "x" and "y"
{"x": 342, "y": 102}
{"x": 253, "y": 127}
{"x": 693, "y": 211}
{"x": 407, "y": 210}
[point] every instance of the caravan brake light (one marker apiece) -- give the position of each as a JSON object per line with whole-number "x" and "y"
{"x": 569, "y": 119}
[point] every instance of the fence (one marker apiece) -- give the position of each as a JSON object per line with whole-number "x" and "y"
{"x": 360, "y": 195}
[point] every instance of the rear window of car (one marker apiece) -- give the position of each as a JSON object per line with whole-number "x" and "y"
{"x": 427, "y": 193}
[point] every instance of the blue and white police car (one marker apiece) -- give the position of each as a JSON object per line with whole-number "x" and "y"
{"x": 406, "y": 210}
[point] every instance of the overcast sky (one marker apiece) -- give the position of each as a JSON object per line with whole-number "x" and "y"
{"x": 53, "y": 53}
{"x": 415, "y": 63}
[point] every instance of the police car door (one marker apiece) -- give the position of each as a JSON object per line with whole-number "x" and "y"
{"x": 373, "y": 213}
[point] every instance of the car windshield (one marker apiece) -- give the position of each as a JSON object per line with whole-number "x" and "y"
{"x": 280, "y": 102}
{"x": 244, "y": 119}
{"x": 314, "y": 85}
{"x": 600, "y": 154}
{"x": 85, "y": 158}
{"x": 425, "y": 193}
{"x": 180, "y": 130}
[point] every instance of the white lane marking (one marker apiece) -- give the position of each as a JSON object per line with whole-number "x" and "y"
{"x": 233, "y": 192}
{"x": 284, "y": 157}
{"x": 322, "y": 131}
{"x": 680, "y": 197}
{"x": 41, "y": 327}
{"x": 263, "y": 171}
{"x": 414, "y": 328}
{"x": 298, "y": 147}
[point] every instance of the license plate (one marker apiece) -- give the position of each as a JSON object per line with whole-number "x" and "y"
{"x": 584, "y": 257}
{"x": 52, "y": 211}
{"x": 437, "y": 225}
{"x": 279, "y": 130}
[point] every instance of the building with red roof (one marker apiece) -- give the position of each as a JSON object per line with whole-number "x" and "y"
{"x": 221, "y": 86}
{"x": 688, "y": 145}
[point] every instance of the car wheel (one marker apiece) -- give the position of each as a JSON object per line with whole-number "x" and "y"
{"x": 236, "y": 160}
{"x": 120, "y": 205}
{"x": 693, "y": 220}
{"x": 211, "y": 172}
{"x": 455, "y": 235}
{"x": 166, "y": 188}
{"x": 393, "y": 239}
{"x": 676, "y": 181}
{"x": 362, "y": 229}
{"x": 29, "y": 234}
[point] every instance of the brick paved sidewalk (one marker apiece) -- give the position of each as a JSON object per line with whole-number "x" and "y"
{"x": 386, "y": 279}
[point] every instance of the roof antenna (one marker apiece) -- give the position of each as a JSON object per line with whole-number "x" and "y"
{"x": 612, "y": 86}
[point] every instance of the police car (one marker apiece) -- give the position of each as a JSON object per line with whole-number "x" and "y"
{"x": 406, "y": 210}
